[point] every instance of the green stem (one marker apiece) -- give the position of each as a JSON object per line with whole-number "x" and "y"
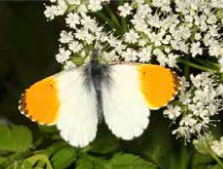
{"x": 196, "y": 66}
{"x": 215, "y": 157}
{"x": 211, "y": 153}
{"x": 114, "y": 18}
{"x": 124, "y": 22}
{"x": 187, "y": 69}
{"x": 105, "y": 18}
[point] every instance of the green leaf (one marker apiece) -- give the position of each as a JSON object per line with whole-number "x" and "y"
{"x": 16, "y": 165}
{"x": 214, "y": 167}
{"x": 64, "y": 157}
{"x": 37, "y": 159}
{"x": 2, "y": 160}
{"x": 84, "y": 164}
{"x": 15, "y": 138}
{"x": 54, "y": 147}
{"x": 127, "y": 161}
{"x": 105, "y": 143}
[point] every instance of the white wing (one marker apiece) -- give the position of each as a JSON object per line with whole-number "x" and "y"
{"x": 125, "y": 109}
{"x": 77, "y": 119}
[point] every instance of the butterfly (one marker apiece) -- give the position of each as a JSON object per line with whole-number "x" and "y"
{"x": 123, "y": 94}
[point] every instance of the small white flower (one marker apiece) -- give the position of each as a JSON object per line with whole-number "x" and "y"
{"x": 65, "y": 37}
{"x": 188, "y": 120}
{"x": 74, "y": 2}
{"x": 95, "y": 5}
{"x": 197, "y": 36}
{"x": 183, "y": 131}
{"x": 196, "y": 49}
{"x": 139, "y": 23}
{"x": 50, "y": 12}
{"x": 172, "y": 60}
{"x": 212, "y": 19}
{"x": 82, "y": 9}
{"x": 130, "y": 55}
{"x": 81, "y": 34}
{"x": 145, "y": 54}
{"x": 73, "y": 20}
{"x": 140, "y": 1}
{"x": 172, "y": 112}
{"x": 215, "y": 50}
{"x": 62, "y": 7}
{"x": 69, "y": 65}
{"x": 217, "y": 147}
{"x": 131, "y": 36}
{"x": 161, "y": 57}
{"x": 75, "y": 46}
{"x": 63, "y": 56}
{"x": 125, "y": 9}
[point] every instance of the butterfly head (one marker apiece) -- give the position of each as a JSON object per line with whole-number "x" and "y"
{"x": 95, "y": 54}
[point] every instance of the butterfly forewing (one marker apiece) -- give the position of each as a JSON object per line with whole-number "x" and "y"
{"x": 134, "y": 89}
{"x": 67, "y": 103}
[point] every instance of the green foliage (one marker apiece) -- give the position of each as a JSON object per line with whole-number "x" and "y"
{"x": 84, "y": 164}
{"x": 15, "y": 138}
{"x": 63, "y": 157}
{"x": 127, "y": 161}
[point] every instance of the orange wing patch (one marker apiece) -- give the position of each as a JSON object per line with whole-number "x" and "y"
{"x": 158, "y": 84}
{"x": 40, "y": 102}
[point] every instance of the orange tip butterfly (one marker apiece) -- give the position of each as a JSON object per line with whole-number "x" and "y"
{"x": 73, "y": 100}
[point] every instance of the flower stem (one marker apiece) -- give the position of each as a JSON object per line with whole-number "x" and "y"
{"x": 187, "y": 69}
{"x": 215, "y": 157}
{"x": 196, "y": 66}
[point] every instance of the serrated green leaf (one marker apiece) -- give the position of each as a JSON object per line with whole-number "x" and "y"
{"x": 127, "y": 161}
{"x": 15, "y": 138}
{"x": 64, "y": 157}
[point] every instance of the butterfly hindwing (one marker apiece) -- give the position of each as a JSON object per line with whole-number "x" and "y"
{"x": 134, "y": 89}
{"x": 64, "y": 100}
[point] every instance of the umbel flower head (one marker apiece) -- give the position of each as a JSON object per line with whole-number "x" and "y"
{"x": 164, "y": 30}
{"x": 196, "y": 106}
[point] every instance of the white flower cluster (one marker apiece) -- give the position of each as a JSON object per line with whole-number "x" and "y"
{"x": 84, "y": 30}
{"x": 161, "y": 29}
{"x": 217, "y": 147}
{"x": 196, "y": 105}
{"x": 174, "y": 29}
